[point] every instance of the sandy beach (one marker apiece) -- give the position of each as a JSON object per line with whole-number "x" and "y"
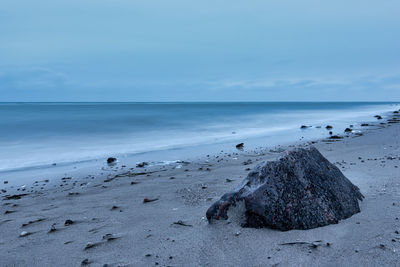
{"x": 106, "y": 221}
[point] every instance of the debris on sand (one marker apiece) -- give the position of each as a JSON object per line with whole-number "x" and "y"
{"x": 300, "y": 190}
{"x": 147, "y": 200}
{"x": 182, "y": 223}
{"x": 16, "y": 196}
{"x": 335, "y": 137}
{"x": 110, "y": 237}
{"x": 9, "y": 211}
{"x": 90, "y": 245}
{"x": 31, "y": 222}
{"x": 314, "y": 244}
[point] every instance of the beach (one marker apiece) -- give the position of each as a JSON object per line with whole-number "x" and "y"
{"x": 155, "y": 215}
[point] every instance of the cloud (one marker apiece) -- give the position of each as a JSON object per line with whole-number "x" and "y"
{"x": 32, "y": 78}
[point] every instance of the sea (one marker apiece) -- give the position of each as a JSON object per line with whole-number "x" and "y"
{"x": 47, "y": 135}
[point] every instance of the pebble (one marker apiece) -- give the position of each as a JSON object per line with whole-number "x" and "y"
{"x": 68, "y": 222}
{"x": 24, "y": 233}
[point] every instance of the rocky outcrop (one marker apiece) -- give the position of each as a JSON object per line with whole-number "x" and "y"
{"x": 300, "y": 190}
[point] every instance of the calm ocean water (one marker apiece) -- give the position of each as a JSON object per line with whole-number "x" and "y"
{"x": 39, "y": 134}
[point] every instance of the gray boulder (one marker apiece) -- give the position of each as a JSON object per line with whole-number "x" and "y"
{"x": 300, "y": 190}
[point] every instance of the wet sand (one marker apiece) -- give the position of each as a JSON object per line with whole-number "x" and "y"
{"x": 111, "y": 224}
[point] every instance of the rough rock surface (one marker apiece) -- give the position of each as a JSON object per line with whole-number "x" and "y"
{"x": 300, "y": 190}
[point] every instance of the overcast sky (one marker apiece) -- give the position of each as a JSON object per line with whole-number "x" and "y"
{"x": 219, "y": 50}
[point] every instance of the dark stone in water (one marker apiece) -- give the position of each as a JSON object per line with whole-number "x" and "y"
{"x": 348, "y": 130}
{"x": 328, "y": 127}
{"x": 364, "y": 124}
{"x": 111, "y": 160}
{"x": 141, "y": 165}
{"x": 303, "y": 127}
{"x": 240, "y": 146}
{"x": 300, "y": 190}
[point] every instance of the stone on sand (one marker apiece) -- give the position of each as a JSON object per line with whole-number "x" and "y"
{"x": 300, "y": 190}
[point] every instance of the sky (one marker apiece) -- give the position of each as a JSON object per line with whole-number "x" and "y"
{"x": 179, "y": 50}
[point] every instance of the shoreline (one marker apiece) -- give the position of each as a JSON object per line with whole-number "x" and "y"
{"x": 270, "y": 125}
{"x": 196, "y": 152}
{"x": 147, "y": 234}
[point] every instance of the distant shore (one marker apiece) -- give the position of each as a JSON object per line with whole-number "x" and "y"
{"x": 102, "y": 218}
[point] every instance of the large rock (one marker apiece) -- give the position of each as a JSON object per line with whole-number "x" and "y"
{"x": 300, "y": 190}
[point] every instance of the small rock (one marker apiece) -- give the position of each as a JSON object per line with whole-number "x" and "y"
{"x": 68, "y": 222}
{"x": 240, "y": 146}
{"x": 111, "y": 160}
{"x": 53, "y": 228}
{"x": 85, "y": 262}
{"x": 141, "y": 165}
{"x": 89, "y": 245}
{"x": 24, "y": 233}
{"x": 328, "y": 127}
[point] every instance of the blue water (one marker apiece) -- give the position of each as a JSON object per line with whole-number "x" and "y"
{"x": 39, "y": 134}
